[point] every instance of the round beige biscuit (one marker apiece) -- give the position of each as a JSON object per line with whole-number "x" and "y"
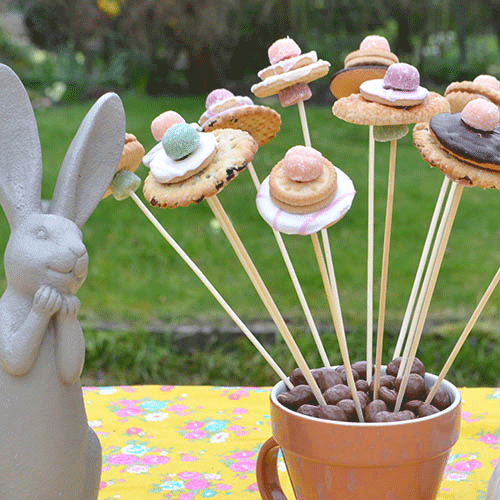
{"x": 399, "y": 103}
{"x": 304, "y": 209}
{"x": 272, "y": 85}
{"x": 460, "y": 93}
{"x": 347, "y": 81}
{"x": 261, "y": 122}
{"x": 279, "y": 68}
{"x": 457, "y": 170}
{"x": 302, "y": 194}
{"x": 370, "y": 56}
{"x": 357, "y": 110}
{"x": 235, "y": 149}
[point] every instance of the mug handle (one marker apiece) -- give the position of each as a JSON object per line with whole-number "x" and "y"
{"x": 267, "y": 471}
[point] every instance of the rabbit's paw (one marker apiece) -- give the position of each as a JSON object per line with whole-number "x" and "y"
{"x": 70, "y": 307}
{"x": 47, "y": 301}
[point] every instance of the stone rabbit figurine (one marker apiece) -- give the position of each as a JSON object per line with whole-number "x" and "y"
{"x": 47, "y": 450}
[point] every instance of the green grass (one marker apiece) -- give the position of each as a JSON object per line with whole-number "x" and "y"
{"x": 137, "y": 279}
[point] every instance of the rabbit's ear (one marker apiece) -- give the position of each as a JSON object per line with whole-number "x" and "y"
{"x": 91, "y": 160}
{"x": 20, "y": 151}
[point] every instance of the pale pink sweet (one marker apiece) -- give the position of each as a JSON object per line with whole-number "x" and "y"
{"x": 216, "y": 96}
{"x": 487, "y": 81}
{"x": 290, "y": 96}
{"x": 481, "y": 114}
{"x": 375, "y": 42}
{"x": 302, "y": 164}
{"x": 402, "y": 76}
{"x": 284, "y": 48}
{"x": 163, "y": 122}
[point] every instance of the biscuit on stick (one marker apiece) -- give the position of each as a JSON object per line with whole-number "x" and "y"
{"x": 459, "y": 94}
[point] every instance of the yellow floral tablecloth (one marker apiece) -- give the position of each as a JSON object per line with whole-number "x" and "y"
{"x": 192, "y": 443}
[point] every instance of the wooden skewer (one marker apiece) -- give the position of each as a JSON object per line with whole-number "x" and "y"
{"x": 303, "y": 122}
{"x": 385, "y": 266}
{"x": 211, "y": 289}
{"x": 370, "y": 245}
{"x": 295, "y": 281}
{"x": 334, "y": 305}
{"x": 463, "y": 337}
{"x": 421, "y": 267}
{"x": 455, "y": 195}
{"x": 263, "y": 293}
{"x": 426, "y": 285}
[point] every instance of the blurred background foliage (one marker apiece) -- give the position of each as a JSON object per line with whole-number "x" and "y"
{"x": 79, "y": 48}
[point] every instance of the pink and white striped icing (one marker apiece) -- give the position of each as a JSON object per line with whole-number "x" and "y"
{"x": 305, "y": 224}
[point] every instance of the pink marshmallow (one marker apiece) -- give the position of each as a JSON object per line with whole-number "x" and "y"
{"x": 487, "y": 81}
{"x": 284, "y": 48}
{"x": 302, "y": 164}
{"x": 163, "y": 122}
{"x": 216, "y": 96}
{"x": 402, "y": 76}
{"x": 295, "y": 93}
{"x": 375, "y": 42}
{"x": 481, "y": 114}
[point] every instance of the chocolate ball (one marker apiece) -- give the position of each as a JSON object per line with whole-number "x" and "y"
{"x": 337, "y": 393}
{"x": 298, "y": 396}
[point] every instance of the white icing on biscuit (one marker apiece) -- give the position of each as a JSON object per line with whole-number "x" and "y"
{"x": 376, "y": 88}
{"x": 305, "y": 224}
{"x": 164, "y": 169}
{"x": 229, "y": 104}
{"x": 288, "y": 64}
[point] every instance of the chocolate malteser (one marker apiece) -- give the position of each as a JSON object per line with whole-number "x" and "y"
{"x": 415, "y": 387}
{"x": 310, "y": 410}
{"x": 360, "y": 367}
{"x": 332, "y": 412}
{"x": 417, "y": 367}
{"x": 426, "y": 409}
{"x": 373, "y": 408}
{"x": 337, "y": 393}
{"x": 413, "y": 405}
{"x": 385, "y": 381}
{"x": 326, "y": 378}
{"x": 362, "y": 385}
{"x": 341, "y": 371}
{"x": 388, "y": 396}
{"x": 349, "y": 408}
{"x": 297, "y": 377}
{"x": 441, "y": 399}
{"x": 465, "y": 143}
{"x": 298, "y": 396}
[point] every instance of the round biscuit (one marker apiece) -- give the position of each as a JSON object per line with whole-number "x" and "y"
{"x": 278, "y": 69}
{"x": 261, "y": 122}
{"x": 303, "y": 197}
{"x": 347, "y": 81}
{"x": 460, "y": 93}
{"x": 457, "y": 170}
{"x": 357, "y": 110}
{"x": 235, "y": 149}
{"x": 370, "y": 57}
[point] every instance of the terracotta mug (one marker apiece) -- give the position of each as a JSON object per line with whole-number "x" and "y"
{"x": 328, "y": 460}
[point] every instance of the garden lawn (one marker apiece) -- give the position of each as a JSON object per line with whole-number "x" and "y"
{"x": 137, "y": 279}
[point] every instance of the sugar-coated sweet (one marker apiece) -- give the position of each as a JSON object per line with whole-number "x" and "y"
{"x": 163, "y": 122}
{"x": 402, "y": 76}
{"x": 123, "y": 184}
{"x": 481, "y": 114}
{"x": 294, "y": 94}
{"x": 375, "y": 42}
{"x": 180, "y": 140}
{"x": 281, "y": 49}
{"x": 216, "y": 96}
{"x": 302, "y": 164}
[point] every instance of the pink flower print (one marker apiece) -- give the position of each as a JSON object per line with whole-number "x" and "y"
{"x": 195, "y": 435}
{"x": 166, "y": 388}
{"x": 121, "y": 459}
{"x": 196, "y": 484}
{"x": 253, "y": 487}
{"x": 242, "y": 454}
{"x": 102, "y": 485}
{"x": 128, "y": 402}
{"x": 243, "y": 466}
{"x": 240, "y": 411}
{"x": 467, "y": 465}
{"x": 154, "y": 460}
{"x": 223, "y": 487}
{"x": 178, "y": 408}
{"x": 129, "y": 412}
{"x": 235, "y": 428}
{"x": 188, "y": 458}
{"x": 133, "y": 431}
{"x": 489, "y": 439}
{"x": 188, "y": 475}
{"x": 193, "y": 425}
{"x": 185, "y": 496}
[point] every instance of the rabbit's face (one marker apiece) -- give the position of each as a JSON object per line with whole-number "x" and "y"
{"x": 46, "y": 250}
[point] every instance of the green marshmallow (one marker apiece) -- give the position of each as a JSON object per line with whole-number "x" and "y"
{"x": 180, "y": 140}
{"x": 386, "y": 133}
{"x": 123, "y": 184}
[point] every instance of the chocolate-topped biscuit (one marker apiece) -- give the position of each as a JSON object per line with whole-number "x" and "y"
{"x": 482, "y": 148}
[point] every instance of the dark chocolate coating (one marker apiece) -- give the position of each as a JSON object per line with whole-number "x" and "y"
{"x": 468, "y": 143}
